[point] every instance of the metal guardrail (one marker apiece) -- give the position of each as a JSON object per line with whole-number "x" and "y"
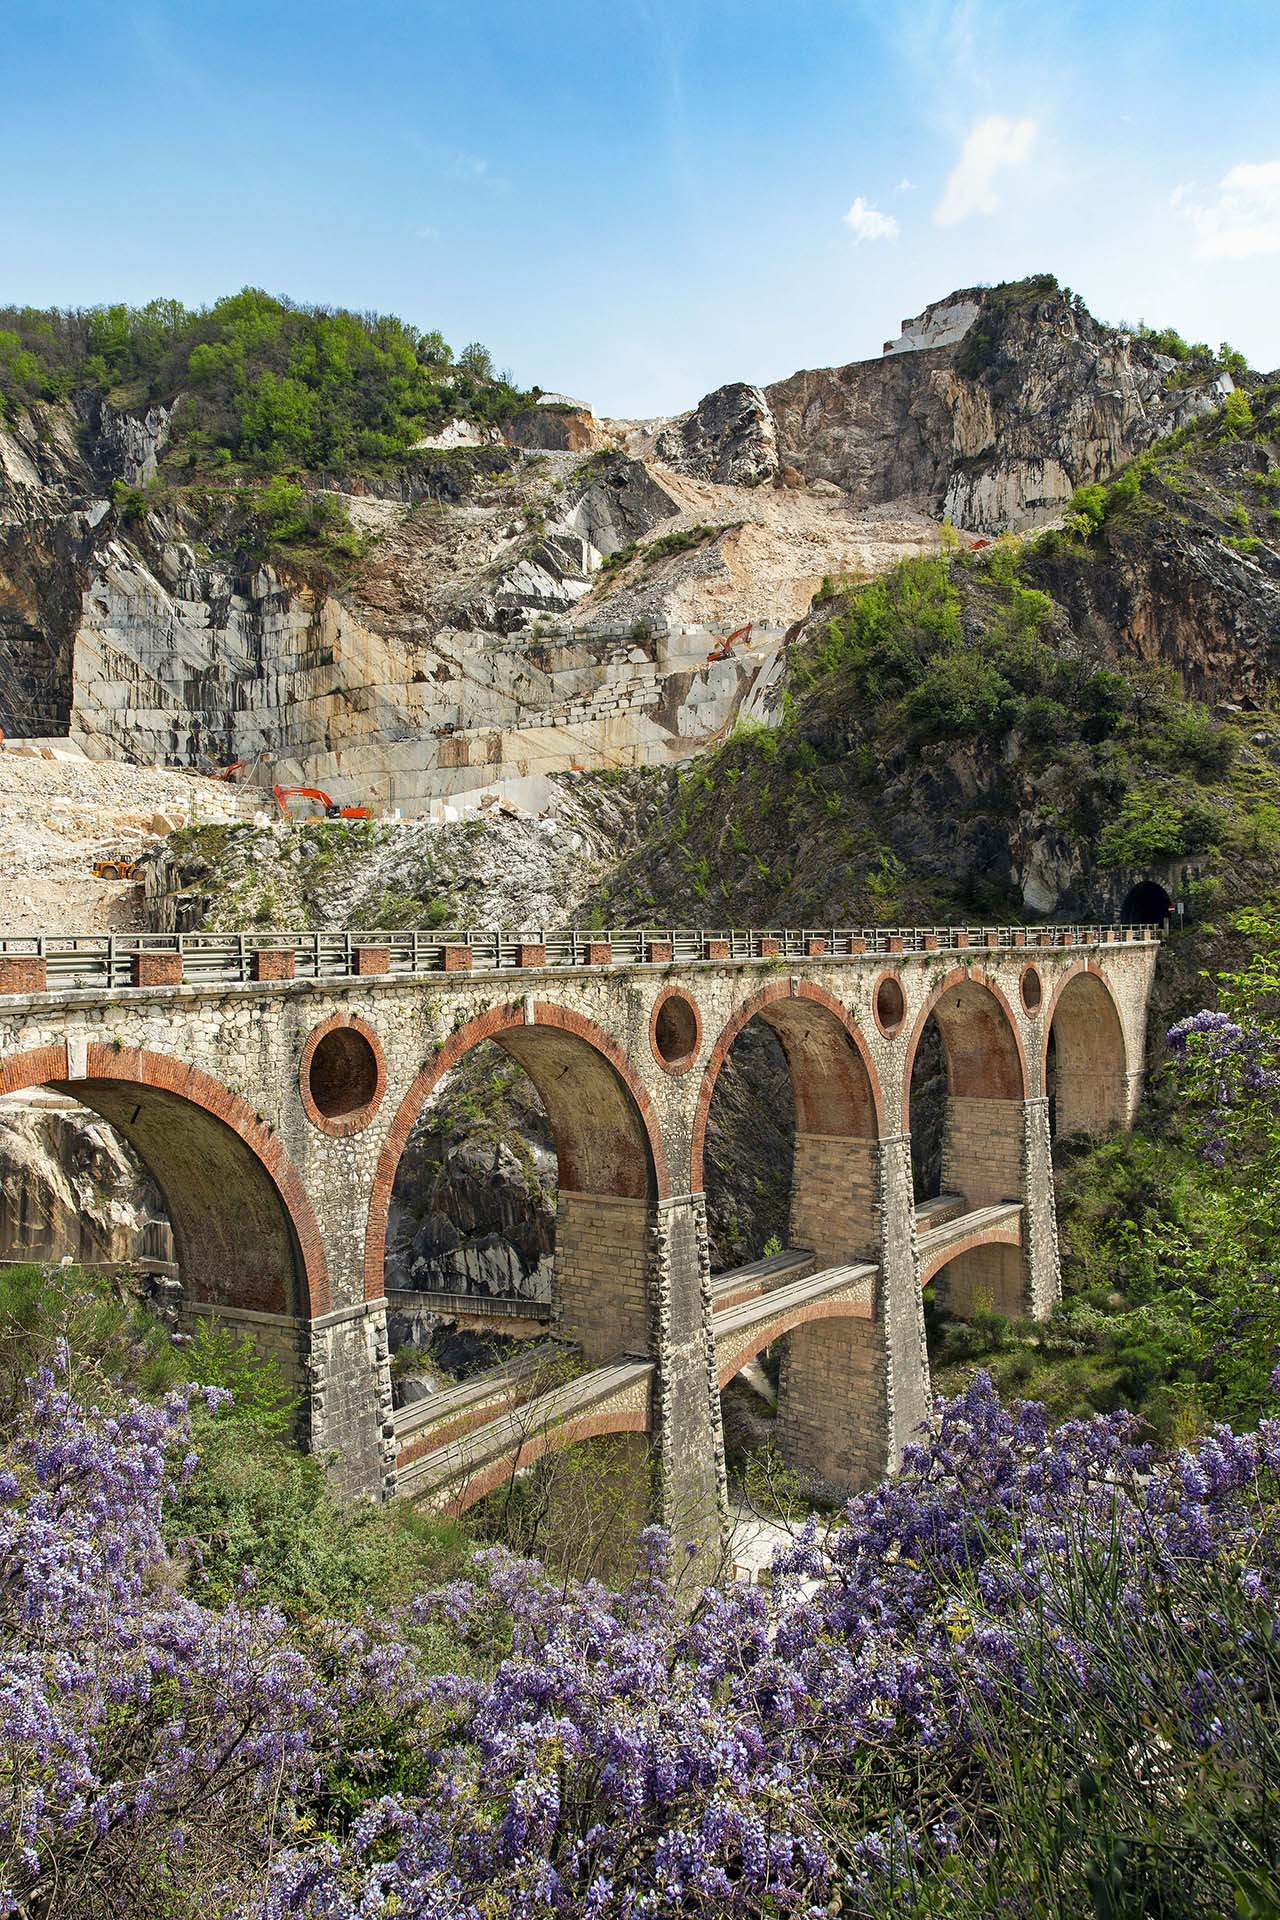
{"x": 218, "y": 959}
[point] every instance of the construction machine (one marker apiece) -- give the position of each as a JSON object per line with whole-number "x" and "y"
{"x": 723, "y": 649}
{"x": 116, "y": 866}
{"x": 117, "y": 860}
{"x": 330, "y": 808}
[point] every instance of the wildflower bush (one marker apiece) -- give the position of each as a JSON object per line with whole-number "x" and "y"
{"x": 1036, "y": 1674}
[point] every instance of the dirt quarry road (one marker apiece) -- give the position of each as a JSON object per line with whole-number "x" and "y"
{"x": 58, "y": 814}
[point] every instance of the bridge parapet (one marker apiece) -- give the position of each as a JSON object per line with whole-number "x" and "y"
{"x": 123, "y": 963}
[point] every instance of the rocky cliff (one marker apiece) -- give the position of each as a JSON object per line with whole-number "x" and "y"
{"x": 430, "y": 620}
{"x": 993, "y": 406}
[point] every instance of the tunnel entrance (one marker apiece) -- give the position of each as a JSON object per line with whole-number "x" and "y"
{"x": 1146, "y": 905}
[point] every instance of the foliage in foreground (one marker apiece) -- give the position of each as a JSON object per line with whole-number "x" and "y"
{"x": 250, "y": 1503}
{"x": 1035, "y": 1675}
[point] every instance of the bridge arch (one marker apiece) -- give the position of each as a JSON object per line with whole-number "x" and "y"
{"x": 540, "y": 1443}
{"x": 985, "y": 1269}
{"x": 838, "y": 1108}
{"x": 978, "y": 1154}
{"x": 246, "y": 1233}
{"x": 768, "y": 1330}
{"x": 1085, "y": 1055}
{"x": 612, "y": 1167}
{"x": 833, "y": 1077}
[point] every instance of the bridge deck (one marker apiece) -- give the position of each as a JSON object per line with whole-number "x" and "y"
{"x": 855, "y": 1282}
{"x": 428, "y": 1423}
{"x": 937, "y": 1212}
{"x": 521, "y": 1434}
{"x": 983, "y": 1224}
{"x": 760, "y": 1276}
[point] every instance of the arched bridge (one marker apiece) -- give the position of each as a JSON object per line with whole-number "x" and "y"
{"x": 270, "y": 1082}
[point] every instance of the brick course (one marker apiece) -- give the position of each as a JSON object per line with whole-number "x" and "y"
{"x": 157, "y": 969}
{"x": 22, "y": 973}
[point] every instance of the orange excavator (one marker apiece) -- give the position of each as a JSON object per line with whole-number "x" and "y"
{"x": 330, "y": 808}
{"x": 723, "y": 649}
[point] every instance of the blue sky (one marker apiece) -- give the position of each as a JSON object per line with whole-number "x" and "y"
{"x": 636, "y": 202}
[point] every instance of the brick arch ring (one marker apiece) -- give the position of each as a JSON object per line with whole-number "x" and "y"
{"x": 486, "y": 1026}
{"x": 961, "y": 976}
{"x": 1009, "y": 1236}
{"x": 339, "y": 1125}
{"x": 568, "y": 1433}
{"x": 39, "y": 1065}
{"x": 1073, "y": 972}
{"x": 764, "y": 1336}
{"x": 766, "y": 997}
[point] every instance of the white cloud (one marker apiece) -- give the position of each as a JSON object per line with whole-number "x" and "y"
{"x": 866, "y": 222}
{"x": 991, "y": 146}
{"x": 1244, "y": 219}
{"x": 905, "y": 186}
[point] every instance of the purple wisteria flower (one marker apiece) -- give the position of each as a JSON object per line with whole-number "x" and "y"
{"x": 600, "y": 1752}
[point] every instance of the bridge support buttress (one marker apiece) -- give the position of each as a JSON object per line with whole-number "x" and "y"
{"x": 853, "y": 1391}
{"x": 633, "y": 1280}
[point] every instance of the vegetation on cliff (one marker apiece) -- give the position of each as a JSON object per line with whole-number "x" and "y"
{"x": 942, "y": 732}
{"x": 261, "y": 393}
{"x": 259, "y": 381}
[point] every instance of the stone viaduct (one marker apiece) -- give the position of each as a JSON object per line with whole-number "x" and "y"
{"x": 270, "y": 1082}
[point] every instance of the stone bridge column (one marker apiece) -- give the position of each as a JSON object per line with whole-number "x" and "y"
{"x": 852, "y": 1392}
{"x": 633, "y": 1281}
{"x": 691, "y": 1492}
{"x": 1041, "y": 1270}
{"x": 349, "y": 1409}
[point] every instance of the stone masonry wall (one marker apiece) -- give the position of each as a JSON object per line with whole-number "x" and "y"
{"x": 834, "y": 1197}
{"x": 832, "y": 1410}
{"x": 982, "y": 1150}
{"x": 602, "y": 1274}
{"x": 853, "y": 1392}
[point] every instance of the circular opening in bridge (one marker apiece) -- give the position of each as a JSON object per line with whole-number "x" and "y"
{"x": 891, "y": 1005}
{"x": 676, "y": 1031}
{"x": 1032, "y": 991}
{"x": 1146, "y": 905}
{"x": 342, "y": 1077}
